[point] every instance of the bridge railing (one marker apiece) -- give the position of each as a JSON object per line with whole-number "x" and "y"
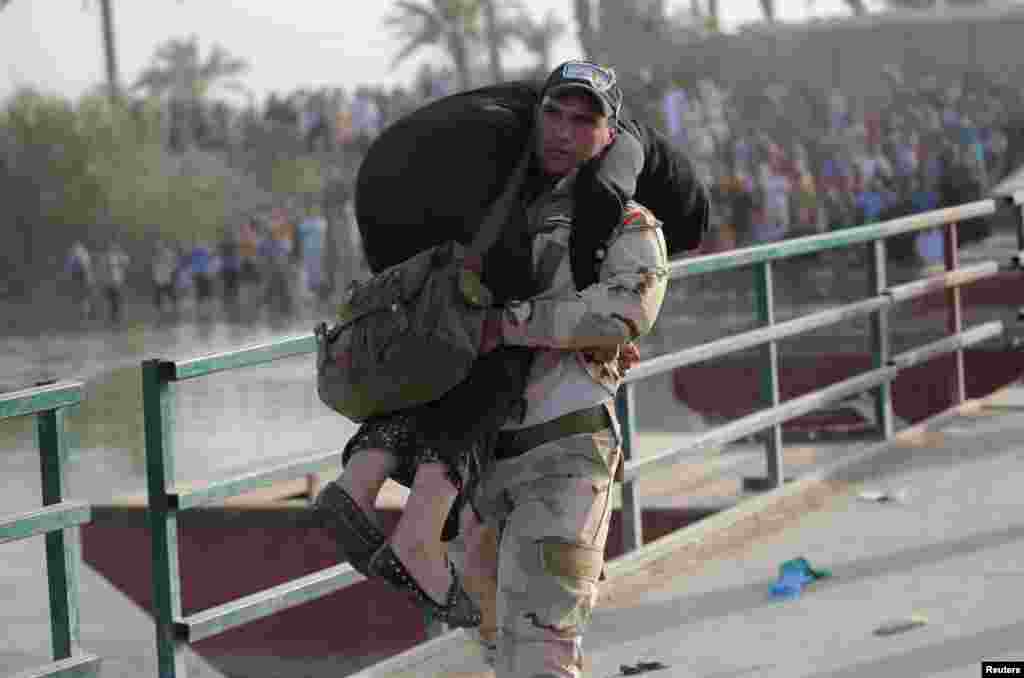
{"x": 166, "y": 498}
{"x": 58, "y": 520}
{"x": 881, "y": 297}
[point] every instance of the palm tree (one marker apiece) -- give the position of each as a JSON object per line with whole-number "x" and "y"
{"x": 490, "y": 10}
{"x": 452, "y": 25}
{"x": 178, "y": 70}
{"x": 539, "y": 37}
{"x": 498, "y": 31}
{"x": 856, "y": 7}
{"x": 714, "y": 20}
{"x": 586, "y": 27}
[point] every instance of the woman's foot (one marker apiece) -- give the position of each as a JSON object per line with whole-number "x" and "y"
{"x": 457, "y": 608}
{"x": 428, "y": 566}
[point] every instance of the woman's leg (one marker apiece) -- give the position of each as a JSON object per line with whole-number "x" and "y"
{"x": 364, "y": 475}
{"x": 417, "y": 537}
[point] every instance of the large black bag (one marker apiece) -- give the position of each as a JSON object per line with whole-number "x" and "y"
{"x": 431, "y": 176}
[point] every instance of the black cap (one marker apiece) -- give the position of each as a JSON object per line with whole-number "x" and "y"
{"x": 598, "y": 81}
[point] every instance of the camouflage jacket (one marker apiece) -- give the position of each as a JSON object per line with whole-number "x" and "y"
{"x": 584, "y": 329}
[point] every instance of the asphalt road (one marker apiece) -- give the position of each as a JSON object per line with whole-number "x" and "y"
{"x": 951, "y": 554}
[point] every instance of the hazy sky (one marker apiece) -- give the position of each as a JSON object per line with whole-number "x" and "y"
{"x": 56, "y": 44}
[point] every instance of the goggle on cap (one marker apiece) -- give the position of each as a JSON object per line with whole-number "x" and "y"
{"x": 598, "y": 81}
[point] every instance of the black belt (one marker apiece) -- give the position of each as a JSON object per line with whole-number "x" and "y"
{"x": 518, "y": 441}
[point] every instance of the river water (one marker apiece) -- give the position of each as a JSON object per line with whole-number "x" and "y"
{"x": 223, "y": 422}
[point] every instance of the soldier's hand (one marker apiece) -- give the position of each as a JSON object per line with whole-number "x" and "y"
{"x": 629, "y": 355}
{"x": 602, "y": 354}
{"x": 624, "y": 355}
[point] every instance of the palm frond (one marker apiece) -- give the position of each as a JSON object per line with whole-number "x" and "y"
{"x": 415, "y": 43}
{"x": 538, "y": 37}
{"x": 155, "y": 80}
{"x": 407, "y": 10}
{"x": 552, "y": 26}
{"x": 416, "y": 25}
{"x": 220, "y": 64}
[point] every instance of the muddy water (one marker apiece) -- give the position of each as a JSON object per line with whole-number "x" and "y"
{"x": 223, "y": 422}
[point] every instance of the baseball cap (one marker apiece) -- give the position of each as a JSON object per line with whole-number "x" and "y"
{"x": 598, "y": 81}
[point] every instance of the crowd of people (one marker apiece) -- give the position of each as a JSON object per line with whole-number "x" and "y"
{"x": 780, "y": 161}
{"x": 786, "y": 162}
{"x": 277, "y": 254}
{"x": 325, "y": 119}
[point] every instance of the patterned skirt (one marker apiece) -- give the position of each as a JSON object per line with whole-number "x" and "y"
{"x": 401, "y": 434}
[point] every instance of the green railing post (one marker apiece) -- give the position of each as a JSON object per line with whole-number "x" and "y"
{"x": 880, "y": 342}
{"x": 1018, "y": 219}
{"x": 63, "y": 547}
{"x": 632, "y": 509}
{"x": 769, "y": 372}
{"x": 951, "y": 254}
{"x": 158, "y": 418}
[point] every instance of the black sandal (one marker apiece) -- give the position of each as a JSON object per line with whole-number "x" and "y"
{"x": 459, "y": 609}
{"x": 358, "y": 538}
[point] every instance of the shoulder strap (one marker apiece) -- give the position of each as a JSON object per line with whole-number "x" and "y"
{"x": 490, "y": 229}
{"x": 602, "y": 189}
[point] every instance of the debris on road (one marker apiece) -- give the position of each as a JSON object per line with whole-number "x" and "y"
{"x": 794, "y": 575}
{"x": 901, "y": 625}
{"x": 641, "y": 667}
{"x": 900, "y": 496}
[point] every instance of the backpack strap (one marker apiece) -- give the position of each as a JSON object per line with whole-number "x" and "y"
{"x": 502, "y": 207}
{"x": 601, "y": 192}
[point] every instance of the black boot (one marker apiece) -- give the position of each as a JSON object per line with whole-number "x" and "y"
{"x": 357, "y": 537}
{"x": 458, "y": 610}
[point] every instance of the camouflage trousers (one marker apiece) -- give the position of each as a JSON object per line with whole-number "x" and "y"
{"x": 554, "y": 505}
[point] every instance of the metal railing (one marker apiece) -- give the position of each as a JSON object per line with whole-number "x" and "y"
{"x": 886, "y": 367}
{"x": 58, "y": 520}
{"x": 166, "y": 499}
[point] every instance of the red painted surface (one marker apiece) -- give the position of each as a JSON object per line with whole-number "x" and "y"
{"x": 220, "y": 563}
{"x": 1003, "y": 289}
{"x": 731, "y": 388}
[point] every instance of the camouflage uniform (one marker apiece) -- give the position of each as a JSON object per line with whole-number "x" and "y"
{"x": 553, "y": 502}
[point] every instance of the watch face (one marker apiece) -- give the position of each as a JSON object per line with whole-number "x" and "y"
{"x": 521, "y": 312}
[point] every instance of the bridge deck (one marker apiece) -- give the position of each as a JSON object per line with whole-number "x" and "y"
{"x": 953, "y": 554}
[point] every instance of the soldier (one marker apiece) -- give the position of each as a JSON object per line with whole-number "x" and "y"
{"x": 562, "y": 448}
{"x": 550, "y": 486}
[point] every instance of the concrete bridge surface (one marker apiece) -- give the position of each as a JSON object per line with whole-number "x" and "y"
{"x": 928, "y": 584}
